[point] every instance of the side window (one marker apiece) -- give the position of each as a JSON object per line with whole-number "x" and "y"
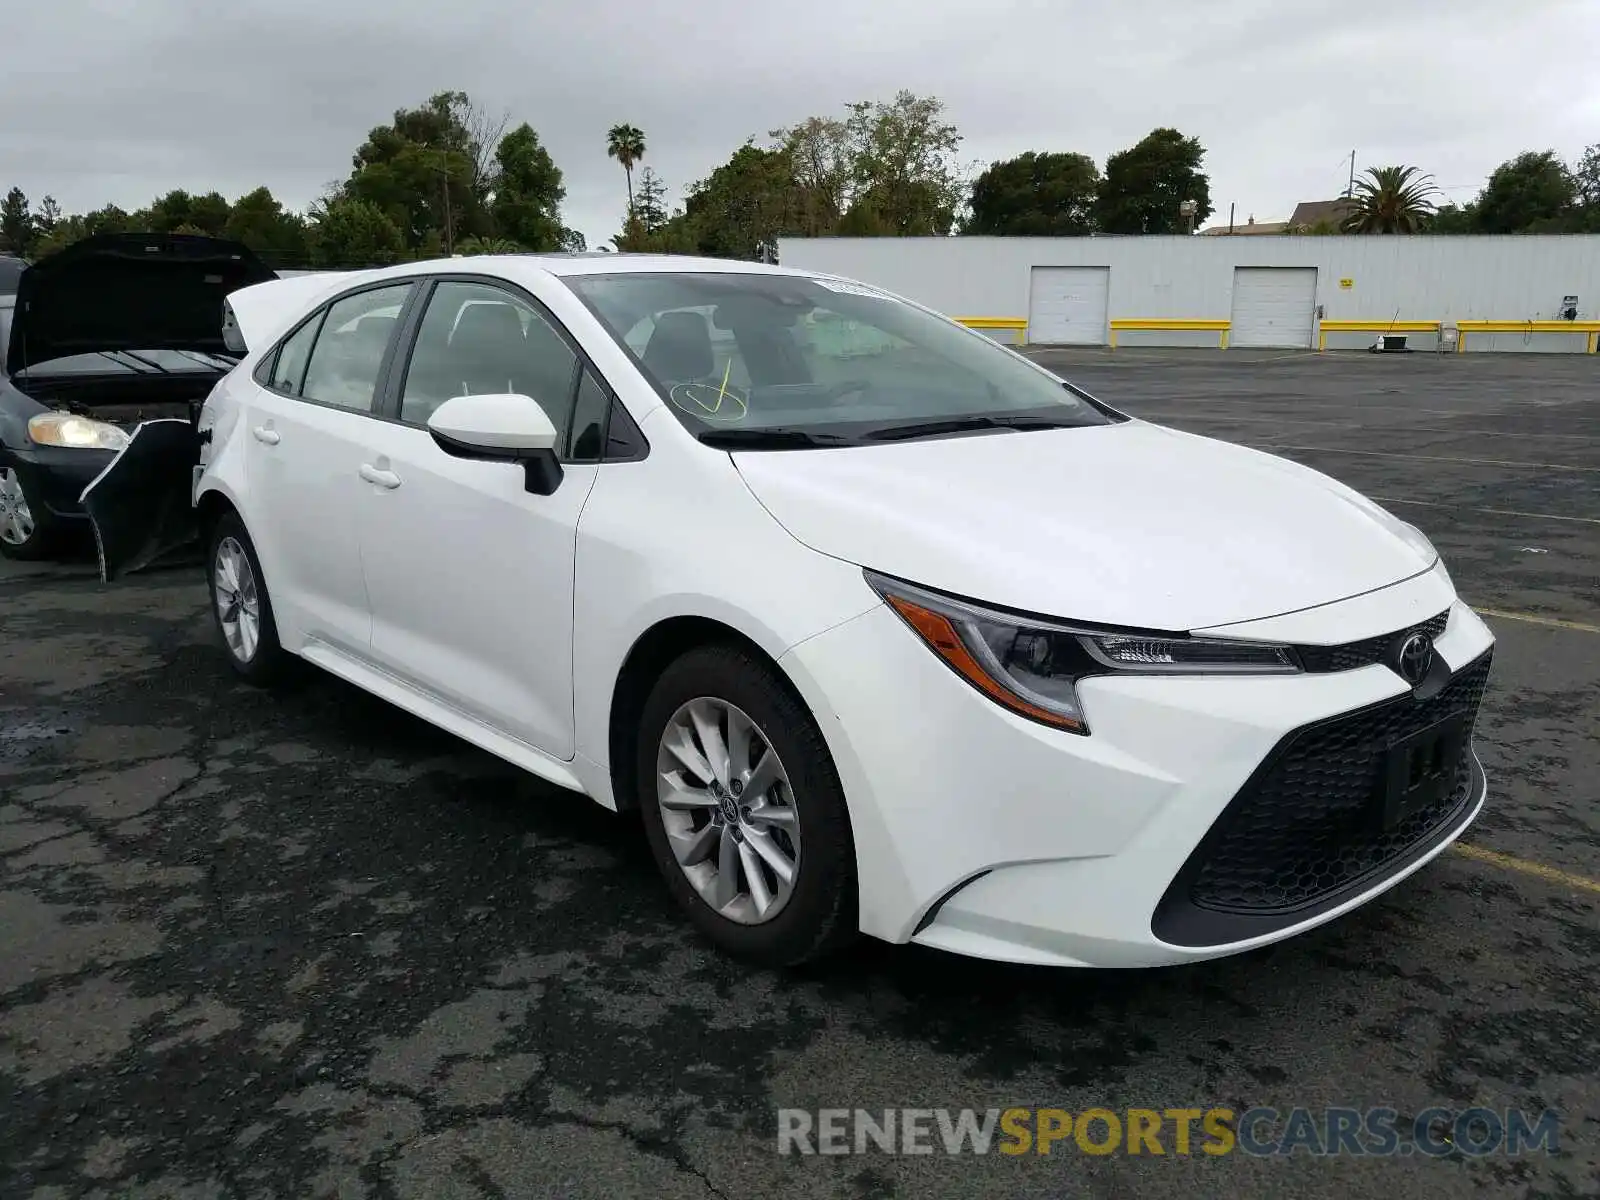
{"x": 344, "y": 365}
{"x": 289, "y": 364}
{"x": 476, "y": 339}
{"x": 589, "y": 421}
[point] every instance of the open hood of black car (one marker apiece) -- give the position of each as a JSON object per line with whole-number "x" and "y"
{"x": 128, "y": 291}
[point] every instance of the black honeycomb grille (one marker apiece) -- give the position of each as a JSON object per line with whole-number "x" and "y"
{"x": 1303, "y": 828}
{"x": 1364, "y": 653}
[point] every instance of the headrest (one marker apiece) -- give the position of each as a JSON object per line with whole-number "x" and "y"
{"x": 680, "y": 347}
{"x": 492, "y": 324}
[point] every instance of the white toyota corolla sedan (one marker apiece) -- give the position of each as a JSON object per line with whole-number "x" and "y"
{"x": 878, "y": 625}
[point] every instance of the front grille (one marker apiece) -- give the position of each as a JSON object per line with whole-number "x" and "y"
{"x": 1301, "y": 833}
{"x": 1368, "y": 650}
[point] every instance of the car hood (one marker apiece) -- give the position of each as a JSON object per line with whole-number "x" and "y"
{"x": 1129, "y": 524}
{"x": 128, "y": 291}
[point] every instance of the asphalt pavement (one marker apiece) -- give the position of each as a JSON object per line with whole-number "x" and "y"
{"x": 299, "y": 944}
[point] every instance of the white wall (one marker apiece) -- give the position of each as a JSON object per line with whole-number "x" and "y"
{"x": 1423, "y": 278}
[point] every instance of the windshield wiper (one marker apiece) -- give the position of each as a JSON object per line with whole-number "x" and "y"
{"x": 777, "y": 438}
{"x": 891, "y": 433}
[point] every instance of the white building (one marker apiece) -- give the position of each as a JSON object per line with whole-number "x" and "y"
{"x": 1513, "y": 293}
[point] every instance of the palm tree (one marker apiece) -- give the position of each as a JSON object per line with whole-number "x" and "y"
{"x": 1391, "y": 200}
{"x": 489, "y": 245}
{"x": 625, "y": 143}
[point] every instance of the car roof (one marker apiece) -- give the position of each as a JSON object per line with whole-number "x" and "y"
{"x": 591, "y": 263}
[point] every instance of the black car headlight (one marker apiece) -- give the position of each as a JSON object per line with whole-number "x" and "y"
{"x": 1032, "y": 667}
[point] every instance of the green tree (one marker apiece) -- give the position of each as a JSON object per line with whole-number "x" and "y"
{"x": 48, "y": 216}
{"x": 424, "y": 171}
{"x": 1586, "y": 177}
{"x": 743, "y": 207}
{"x": 903, "y": 163}
{"x": 573, "y": 242}
{"x": 258, "y": 220}
{"x": 625, "y": 143}
{"x": 62, "y": 233}
{"x": 821, "y": 162}
{"x": 1036, "y": 195}
{"x": 527, "y": 191}
{"x": 17, "y": 232}
{"x": 650, "y": 203}
{"x": 489, "y": 245}
{"x": 1534, "y": 190}
{"x": 1145, "y": 184}
{"x": 1391, "y": 200}
{"x": 1454, "y": 218}
{"x": 209, "y": 214}
{"x": 166, "y": 212}
{"x": 351, "y": 233}
{"x": 109, "y": 219}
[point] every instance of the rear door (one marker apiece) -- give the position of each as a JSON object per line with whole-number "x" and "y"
{"x": 311, "y": 421}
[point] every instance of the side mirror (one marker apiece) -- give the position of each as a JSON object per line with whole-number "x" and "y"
{"x": 500, "y": 428}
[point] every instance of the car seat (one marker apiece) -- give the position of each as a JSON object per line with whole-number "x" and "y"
{"x": 679, "y": 350}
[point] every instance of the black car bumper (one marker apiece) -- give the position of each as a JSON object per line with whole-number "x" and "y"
{"x": 54, "y": 478}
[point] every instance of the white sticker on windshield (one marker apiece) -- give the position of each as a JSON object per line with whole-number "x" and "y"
{"x": 846, "y": 288}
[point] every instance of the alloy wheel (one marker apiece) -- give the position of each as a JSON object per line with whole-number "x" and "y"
{"x": 16, "y": 519}
{"x": 728, "y": 810}
{"x": 237, "y": 599}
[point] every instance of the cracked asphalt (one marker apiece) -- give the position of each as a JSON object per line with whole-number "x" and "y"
{"x": 298, "y": 944}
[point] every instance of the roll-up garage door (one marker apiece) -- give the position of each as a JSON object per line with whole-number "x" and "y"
{"x": 1067, "y": 305}
{"x": 1273, "y": 306}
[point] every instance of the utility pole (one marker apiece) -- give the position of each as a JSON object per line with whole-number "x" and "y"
{"x": 1350, "y": 191}
{"x": 449, "y": 224}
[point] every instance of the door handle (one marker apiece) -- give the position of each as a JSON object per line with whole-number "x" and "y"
{"x": 264, "y": 434}
{"x": 385, "y": 479}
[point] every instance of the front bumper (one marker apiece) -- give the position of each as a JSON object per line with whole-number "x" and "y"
{"x": 986, "y": 834}
{"x": 54, "y": 478}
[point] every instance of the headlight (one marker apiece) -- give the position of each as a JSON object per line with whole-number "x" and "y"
{"x": 74, "y": 432}
{"x": 1033, "y": 667}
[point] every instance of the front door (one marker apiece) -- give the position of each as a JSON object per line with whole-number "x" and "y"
{"x": 470, "y": 578}
{"x": 307, "y": 435}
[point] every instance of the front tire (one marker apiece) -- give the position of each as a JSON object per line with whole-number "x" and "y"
{"x": 25, "y": 534}
{"x": 744, "y": 811}
{"x": 240, "y": 606}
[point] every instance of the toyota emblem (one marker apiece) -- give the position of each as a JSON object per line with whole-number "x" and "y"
{"x": 1414, "y": 658}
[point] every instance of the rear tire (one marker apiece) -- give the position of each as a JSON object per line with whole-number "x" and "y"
{"x": 773, "y": 804}
{"x": 241, "y": 609}
{"x": 26, "y": 534}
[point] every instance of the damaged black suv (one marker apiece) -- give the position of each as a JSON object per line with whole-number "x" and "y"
{"x": 109, "y": 334}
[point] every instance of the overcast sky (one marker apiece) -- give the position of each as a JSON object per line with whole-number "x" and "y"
{"x": 116, "y": 101}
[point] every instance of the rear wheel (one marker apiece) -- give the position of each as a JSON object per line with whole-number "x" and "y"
{"x": 744, "y": 811}
{"x": 23, "y": 536}
{"x": 240, "y": 605}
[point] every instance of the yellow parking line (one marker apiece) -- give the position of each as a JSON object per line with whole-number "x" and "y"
{"x": 1523, "y": 867}
{"x": 1499, "y": 512}
{"x": 1534, "y": 619}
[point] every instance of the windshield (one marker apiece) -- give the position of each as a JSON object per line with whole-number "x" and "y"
{"x": 787, "y": 360}
{"x": 10, "y": 274}
{"x": 5, "y": 333}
